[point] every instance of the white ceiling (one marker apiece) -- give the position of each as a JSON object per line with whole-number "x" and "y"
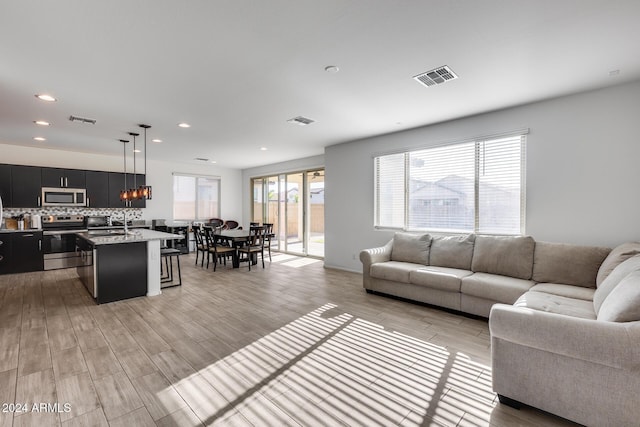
{"x": 236, "y": 70}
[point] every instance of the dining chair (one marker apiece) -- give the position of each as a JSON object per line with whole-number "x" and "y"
{"x": 201, "y": 246}
{"x": 255, "y": 246}
{"x": 215, "y": 222}
{"x": 231, "y": 224}
{"x": 216, "y": 249}
{"x": 268, "y": 232}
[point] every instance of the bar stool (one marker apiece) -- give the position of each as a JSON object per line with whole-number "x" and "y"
{"x": 166, "y": 276}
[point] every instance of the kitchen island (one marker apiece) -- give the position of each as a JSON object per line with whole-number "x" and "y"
{"x": 119, "y": 264}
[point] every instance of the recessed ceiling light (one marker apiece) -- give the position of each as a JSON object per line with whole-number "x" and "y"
{"x": 39, "y": 138}
{"x": 331, "y": 69}
{"x": 137, "y": 151}
{"x": 156, "y": 140}
{"x": 184, "y": 125}
{"x": 41, "y": 123}
{"x": 263, "y": 148}
{"x": 45, "y": 97}
{"x": 213, "y": 161}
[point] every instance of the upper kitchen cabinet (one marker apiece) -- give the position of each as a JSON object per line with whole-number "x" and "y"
{"x": 116, "y": 184}
{"x": 63, "y": 178}
{"x": 5, "y": 185}
{"x": 97, "y": 189}
{"x": 26, "y": 186}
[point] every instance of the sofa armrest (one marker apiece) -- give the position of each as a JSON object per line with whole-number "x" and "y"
{"x": 372, "y": 256}
{"x": 606, "y": 343}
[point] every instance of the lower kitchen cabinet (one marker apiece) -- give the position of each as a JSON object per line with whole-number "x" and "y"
{"x": 21, "y": 252}
{"x": 5, "y": 253}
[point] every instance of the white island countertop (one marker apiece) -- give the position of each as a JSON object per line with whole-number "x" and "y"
{"x": 111, "y": 237}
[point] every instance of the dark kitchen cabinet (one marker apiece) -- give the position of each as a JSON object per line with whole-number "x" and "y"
{"x": 26, "y": 186}
{"x": 27, "y": 252}
{"x": 63, "y": 178}
{"x": 116, "y": 184}
{"x": 5, "y": 185}
{"x": 21, "y": 252}
{"x": 97, "y": 189}
{"x": 5, "y": 253}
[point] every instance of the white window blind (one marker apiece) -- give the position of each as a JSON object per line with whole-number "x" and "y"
{"x": 390, "y": 191}
{"x": 441, "y": 191}
{"x": 195, "y": 197}
{"x": 468, "y": 187}
{"x": 501, "y": 186}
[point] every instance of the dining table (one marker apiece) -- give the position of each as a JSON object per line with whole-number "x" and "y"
{"x": 237, "y": 238}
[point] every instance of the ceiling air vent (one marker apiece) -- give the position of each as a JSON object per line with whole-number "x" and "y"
{"x": 82, "y": 119}
{"x": 436, "y": 76}
{"x": 300, "y": 120}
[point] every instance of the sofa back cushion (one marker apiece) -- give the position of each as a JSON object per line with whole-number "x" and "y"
{"x": 613, "y": 279}
{"x": 505, "y": 255}
{"x": 617, "y": 256}
{"x": 452, "y": 251}
{"x": 623, "y": 303}
{"x": 567, "y": 264}
{"x": 408, "y": 247}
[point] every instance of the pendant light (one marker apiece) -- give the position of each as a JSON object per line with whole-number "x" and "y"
{"x": 144, "y": 191}
{"x": 133, "y": 192}
{"x": 124, "y": 194}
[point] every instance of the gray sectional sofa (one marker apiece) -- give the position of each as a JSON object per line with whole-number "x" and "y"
{"x": 564, "y": 319}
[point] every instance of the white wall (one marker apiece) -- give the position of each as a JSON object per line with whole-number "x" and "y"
{"x": 275, "y": 168}
{"x": 582, "y": 171}
{"x": 159, "y": 176}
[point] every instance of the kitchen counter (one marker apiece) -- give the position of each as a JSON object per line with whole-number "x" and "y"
{"x": 117, "y": 236}
{"x": 28, "y": 230}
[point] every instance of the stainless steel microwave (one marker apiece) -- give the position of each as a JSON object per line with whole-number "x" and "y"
{"x": 64, "y": 196}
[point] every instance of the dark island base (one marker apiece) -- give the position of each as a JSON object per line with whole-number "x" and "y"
{"x": 122, "y": 271}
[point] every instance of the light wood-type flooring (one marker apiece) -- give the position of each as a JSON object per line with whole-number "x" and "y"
{"x": 291, "y": 344}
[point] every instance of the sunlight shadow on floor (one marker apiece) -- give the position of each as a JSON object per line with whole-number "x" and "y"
{"x": 330, "y": 367}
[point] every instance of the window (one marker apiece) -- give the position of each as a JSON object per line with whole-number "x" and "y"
{"x": 195, "y": 197}
{"x": 468, "y": 187}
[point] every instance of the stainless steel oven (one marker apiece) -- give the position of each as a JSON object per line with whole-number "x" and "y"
{"x": 64, "y": 196}
{"x": 59, "y": 241}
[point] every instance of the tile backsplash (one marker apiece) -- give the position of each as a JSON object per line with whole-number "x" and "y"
{"x": 116, "y": 214}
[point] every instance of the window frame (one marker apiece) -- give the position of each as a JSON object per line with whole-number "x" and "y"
{"x": 478, "y": 141}
{"x": 196, "y": 176}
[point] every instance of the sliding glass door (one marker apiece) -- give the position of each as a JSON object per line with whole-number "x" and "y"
{"x": 294, "y": 203}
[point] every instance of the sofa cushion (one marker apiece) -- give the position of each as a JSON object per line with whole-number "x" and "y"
{"x": 569, "y": 291}
{"x": 507, "y": 256}
{"x": 623, "y": 303}
{"x": 617, "y": 256}
{"x": 452, "y": 251}
{"x": 568, "y": 264}
{"x": 495, "y": 287}
{"x": 393, "y": 270}
{"x": 613, "y": 279}
{"x": 409, "y": 247}
{"x": 558, "y": 304}
{"x": 443, "y": 278}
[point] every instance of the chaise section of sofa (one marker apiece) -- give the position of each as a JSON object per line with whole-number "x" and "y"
{"x": 574, "y": 350}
